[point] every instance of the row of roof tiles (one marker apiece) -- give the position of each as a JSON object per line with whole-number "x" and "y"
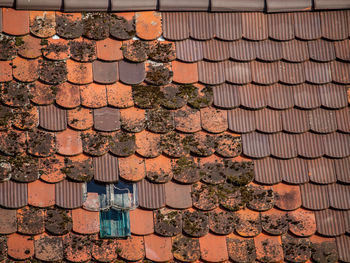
{"x": 68, "y": 194}
{"x": 81, "y": 248}
{"x": 167, "y": 5}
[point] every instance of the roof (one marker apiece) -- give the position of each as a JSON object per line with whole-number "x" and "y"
{"x": 234, "y": 126}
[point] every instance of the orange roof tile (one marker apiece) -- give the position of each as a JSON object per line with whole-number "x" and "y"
{"x": 41, "y": 194}
{"x": 24, "y": 251}
{"x": 148, "y": 25}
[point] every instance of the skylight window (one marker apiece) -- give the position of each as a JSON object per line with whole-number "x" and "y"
{"x": 114, "y": 202}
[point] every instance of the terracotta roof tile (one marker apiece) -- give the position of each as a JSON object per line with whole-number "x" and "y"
{"x": 148, "y": 25}
{"x": 85, "y": 222}
{"x": 242, "y": 121}
{"x": 132, "y": 168}
{"x": 291, "y": 73}
{"x": 30, "y": 47}
{"x": 185, "y": 248}
{"x": 267, "y": 171}
{"x": 56, "y": 49}
{"x": 321, "y": 50}
{"x": 131, "y": 73}
{"x": 52, "y": 118}
{"x": 141, "y": 222}
{"x": 228, "y": 26}
{"x": 333, "y": 96}
{"x": 133, "y": 119}
{"x": 211, "y": 73}
{"x": 105, "y": 72}
{"x": 109, "y": 49}
{"x": 30, "y": 221}
{"x": 58, "y": 221}
{"x": 106, "y": 119}
{"x": 314, "y": 197}
{"x": 310, "y": 145}
{"x": 93, "y": 95}
{"x": 5, "y": 71}
{"x": 104, "y": 250}
{"x": 187, "y": 120}
{"x": 26, "y": 250}
{"x": 287, "y": 196}
{"x": 343, "y": 243}
{"x": 132, "y": 248}
{"x": 282, "y": 145}
{"x": 237, "y": 73}
{"x": 341, "y": 48}
{"x": 339, "y": 72}
{"x": 51, "y": 169}
{"x": 302, "y": 222}
{"x": 251, "y": 21}
{"x": 341, "y": 168}
{"x": 42, "y": 23}
{"x": 80, "y": 251}
{"x": 256, "y": 145}
{"x": 268, "y": 50}
{"x": 48, "y": 248}
{"x": 268, "y": 121}
{"x": 80, "y": 118}
{"x": 8, "y": 221}
{"x": 119, "y": 95}
{"x": 69, "y": 194}
{"x": 189, "y": 50}
{"x": 242, "y": 50}
{"x": 41, "y": 194}
{"x": 159, "y": 170}
{"x": 15, "y": 22}
{"x": 249, "y": 224}
{"x": 157, "y": 248}
{"x": 337, "y": 145}
{"x": 238, "y": 248}
{"x": 67, "y": 95}
{"x": 268, "y": 248}
{"x": 338, "y": 196}
{"x": 79, "y": 73}
{"x": 209, "y": 246}
{"x": 332, "y": 19}
{"x": 294, "y": 171}
{"x": 274, "y": 222}
{"x": 41, "y": 93}
{"x": 185, "y": 72}
{"x": 148, "y": 144}
{"x": 295, "y": 50}
{"x": 281, "y": 26}
{"x": 69, "y": 142}
{"x": 307, "y": 25}
{"x": 330, "y": 222}
{"x": 264, "y": 73}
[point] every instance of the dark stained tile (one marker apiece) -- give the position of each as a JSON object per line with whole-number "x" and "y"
{"x": 105, "y": 72}
{"x": 175, "y": 25}
{"x": 56, "y": 49}
{"x": 241, "y": 121}
{"x": 322, "y": 121}
{"x": 77, "y": 248}
{"x": 281, "y": 26}
{"x": 201, "y": 144}
{"x": 58, "y": 221}
{"x": 295, "y": 50}
{"x": 202, "y": 197}
{"x": 274, "y": 222}
{"x": 136, "y": 51}
{"x": 262, "y": 197}
{"x": 226, "y": 96}
{"x": 201, "y": 25}
{"x": 330, "y": 222}
{"x": 12, "y": 142}
{"x": 122, "y": 25}
{"x": 215, "y": 50}
{"x": 94, "y": 25}
{"x": 163, "y": 52}
{"x": 42, "y": 23}
{"x": 302, "y": 222}
{"x": 268, "y": 121}
{"x": 41, "y": 143}
{"x": 83, "y": 50}
{"x": 252, "y": 96}
{"x": 268, "y": 248}
{"x": 221, "y": 222}
{"x": 172, "y": 144}
{"x": 252, "y": 21}
{"x": 132, "y": 248}
{"x": 296, "y": 249}
{"x": 106, "y": 168}
{"x": 321, "y": 171}
{"x": 187, "y": 120}
{"x": 51, "y": 169}
{"x": 211, "y": 73}
{"x": 131, "y": 73}
{"x": 265, "y": 73}
{"x": 54, "y": 72}
{"x": 342, "y": 49}
{"x": 307, "y": 96}
{"x": 8, "y": 221}
{"x": 238, "y": 248}
{"x": 314, "y": 196}
{"x": 331, "y": 20}
{"x": 317, "y": 73}
{"x": 15, "y": 94}
{"x": 267, "y": 171}
{"x": 95, "y": 143}
{"x": 172, "y": 97}
{"x": 48, "y": 248}
{"x": 8, "y": 44}
{"x": 256, "y": 145}
{"x": 210, "y": 245}
{"x": 186, "y": 248}
{"x": 228, "y": 26}
{"x": 294, "y": 171}
{"x": 79, "y": 168}
{"x": 342, "y": 167}
{"x": 268, "y": 50}
{"x": 337, "y": 145}
{"x": 279, "y": 96}
{"x": 310, "y": 145}
{"x": 151, "y": 196}
{"x": 69, "y": 25}
{"x": 106, "y": 119}
{"x": 282, "y": 145}
{"x": 158, "y": 73}
{"x": 242, "y": 50}
{"x": 339, "y": 196}
{"x": 228, "y": 145}
{"x": 104, "y": 250}
{"x": 237, "y": 73}
{"x": 333, "y": 96}
{"x": 160, "y": 120}
{"x": 307, "y": 25}
{"x": 178, "y": 195}
{"x": 69, "y": 194}
{"x": 195, "y": 223}
{"x": 321, "y": 50}
{"x": 214, "y": 120}
{"x": 164, "y": 227}
{"x": 249, "y": 223}
{"x": 52, "y": 118}
{"x": 30, "y": 221}
{"x": 340, "y": 72}
{"x": 287, "y": 197}
{"x": 291, "y": 73}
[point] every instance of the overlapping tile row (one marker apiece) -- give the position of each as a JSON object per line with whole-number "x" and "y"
{"x": 234, "y": 142}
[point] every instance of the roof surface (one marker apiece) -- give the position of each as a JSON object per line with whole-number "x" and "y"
{"x": 235, "y": 127}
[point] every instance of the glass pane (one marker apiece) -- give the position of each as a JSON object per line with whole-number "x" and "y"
{"x": 124, "y": 195}
{"x": 114, "y": 223}
{"x": 101, "y": 190}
